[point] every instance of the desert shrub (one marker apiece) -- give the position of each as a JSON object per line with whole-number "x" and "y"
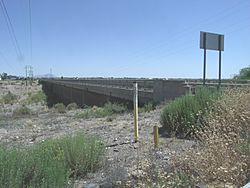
{"x": 94, "y": 112}
{"x": 147, "y": 107}
{"x": 97, "y": 112}
{"x": 82, "y": 153}
{"x": 224, "y": 151}
{"x": 49, "y": 164}
{"x": 60, "y": 108}
{"x": 185, "y": 115}
{"x": 21, "y": 111}
{"x": 9, "y": 98}
{"x": 38, "y": 97}
{"x": 72, "y": 106}
{"x": 115, "y": 107}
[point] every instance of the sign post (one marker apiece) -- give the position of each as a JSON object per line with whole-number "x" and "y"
{"x": 205, "y": 54}
{"x": 211, "y": 41}
{"x": 219, "y": 61}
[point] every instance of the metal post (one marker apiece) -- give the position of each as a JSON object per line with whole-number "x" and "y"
{"x": 219, "y": 68}
{"x": 136, "y": 112}
{"x": 204, "y": 66}
{"x": 219, "y": 84}
{"x": 156, "y": 136}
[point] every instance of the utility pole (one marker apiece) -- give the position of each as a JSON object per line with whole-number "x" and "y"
{"x": 50, "y": 72}
{"x": 26, "y": 72}
{"x": 29, "y": 74}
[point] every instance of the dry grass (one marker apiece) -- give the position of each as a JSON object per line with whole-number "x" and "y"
{"x": 224, "y": 151}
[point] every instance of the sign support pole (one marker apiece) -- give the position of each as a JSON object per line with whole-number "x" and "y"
{"x": 219, "y": 68}
{"x": 204, "y": 66}
{"x": 219, "y": 84}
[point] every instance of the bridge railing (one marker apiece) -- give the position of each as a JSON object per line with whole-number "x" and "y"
{"x": 125, "y": 83}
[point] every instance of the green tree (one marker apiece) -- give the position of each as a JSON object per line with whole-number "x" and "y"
{"x": 3, "y": 76}
{"x": 244, "y": 74}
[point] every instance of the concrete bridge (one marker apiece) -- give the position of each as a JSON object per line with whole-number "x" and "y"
{"x": 97, "y": 91}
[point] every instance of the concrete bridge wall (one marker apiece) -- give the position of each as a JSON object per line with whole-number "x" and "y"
{"x": 99, "y": 91}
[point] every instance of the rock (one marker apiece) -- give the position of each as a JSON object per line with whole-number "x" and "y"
{"x": 29, "y": 122}
{"x": 3, "y": 131}
{"x": 15, "y": 138}
{"x": 118, "y": 182}
{"x": 91, "y": 185}
{"x": 136, "y": 146}
{"x": 166, "y": 158}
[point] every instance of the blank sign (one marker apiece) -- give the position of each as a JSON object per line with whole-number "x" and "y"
{"x": 211, "y": 41}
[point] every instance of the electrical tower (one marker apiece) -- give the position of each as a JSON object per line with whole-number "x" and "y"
{"x": 29, "y": 74}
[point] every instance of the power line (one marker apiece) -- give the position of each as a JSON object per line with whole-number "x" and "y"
{"x": 11, "y": 30}
{"x": 7, "y": 63}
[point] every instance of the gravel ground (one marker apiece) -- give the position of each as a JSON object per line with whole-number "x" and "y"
{"x": 124, "y": 161}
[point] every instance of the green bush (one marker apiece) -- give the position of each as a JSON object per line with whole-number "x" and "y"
{"x": 38, "y": 97}
{"x": 49, "y": 164}
{"x": 20, "y": 111}
{"x": 184, "y": 116}
{"x": 9, "y": 98}
{"x": 60, "y": 108}
{"x": 72, "y": 106}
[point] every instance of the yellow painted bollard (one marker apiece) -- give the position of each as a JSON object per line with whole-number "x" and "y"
{"x": 156, "y": 136}
{"x": 136, "y": 112}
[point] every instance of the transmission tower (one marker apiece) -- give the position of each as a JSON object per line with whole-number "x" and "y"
{"x": 29, "y": 74}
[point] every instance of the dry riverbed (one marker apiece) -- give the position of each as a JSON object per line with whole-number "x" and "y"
{"x": 126, "y": 163}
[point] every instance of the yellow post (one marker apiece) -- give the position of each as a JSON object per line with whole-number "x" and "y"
{"x": 156, "y": 136}
{"x": 136, "y": 111}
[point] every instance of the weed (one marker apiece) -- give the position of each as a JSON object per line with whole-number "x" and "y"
{"x": 38, "y": 97}
{"x": 147, "y": 107}
{"x": 22, "y": 110}
{"x": 60, "y": 108}
{"x": 9, "y": 98}
{"x": 94, "y": 112}
{"x": 224, "y": 151}
{"x": 97, "y": 112}
{"x": 49, "y": 164}
{"x": 115, "y": 107}
{"x": 184, "y": 116}
{"x": 71, "y": 106}
{"x": 82, "y": 153}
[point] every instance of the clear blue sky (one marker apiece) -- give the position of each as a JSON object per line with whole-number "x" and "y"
{"x": 125, "y": 38}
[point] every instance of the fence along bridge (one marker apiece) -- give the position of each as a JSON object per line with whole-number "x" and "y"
{"x": 97, "y": 91}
